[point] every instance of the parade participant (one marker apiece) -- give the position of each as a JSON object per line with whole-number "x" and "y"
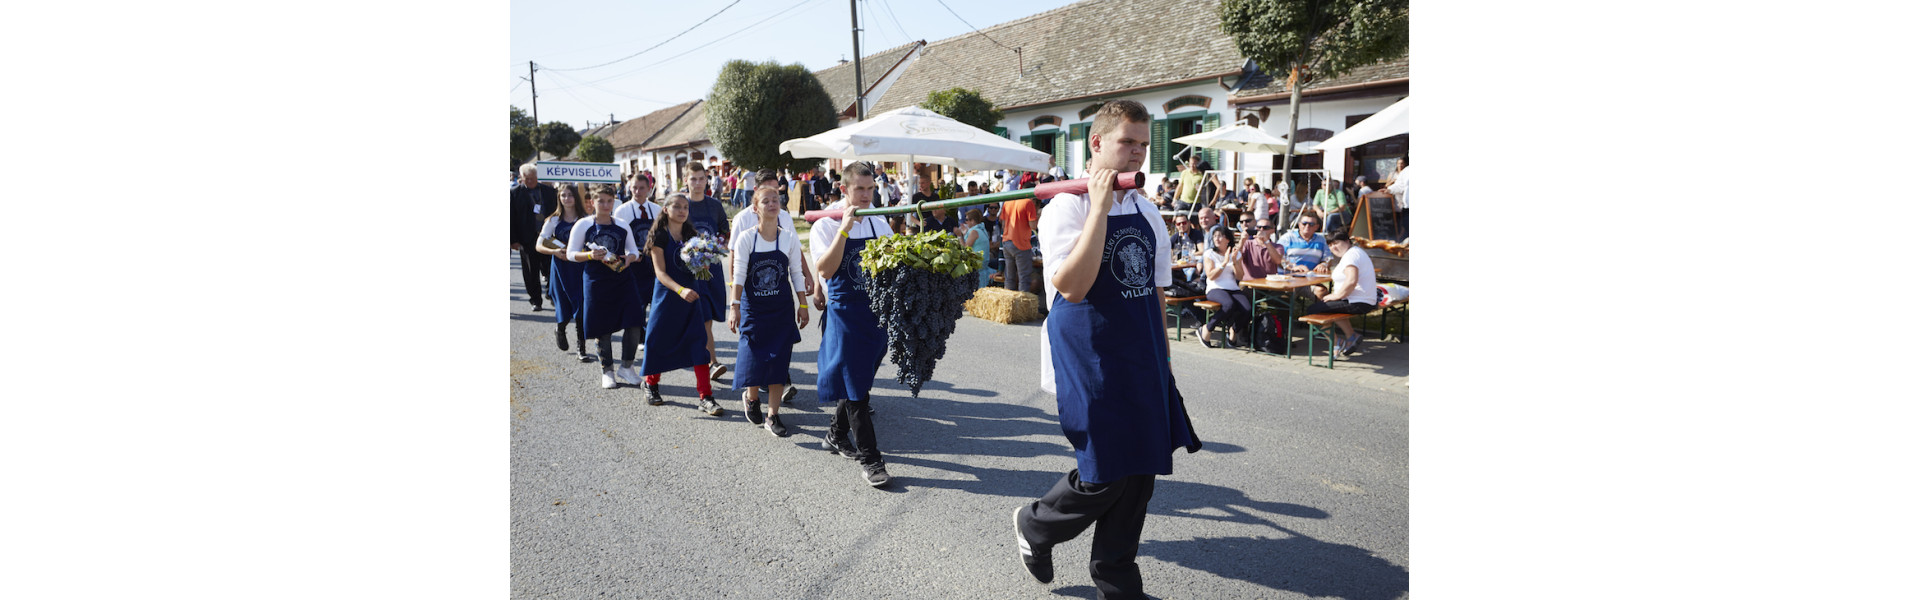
{"x": 530, "y": 201}
{"x": 637, "y": 215}
{"x": 750, "y": 219}
{"x": 675, "y": 334}
{"x": 1104, "y": 354}
{"x": 708, "y": 218}
{"x": 611, "y": 303}
{"x": 854, "y": 342}
{"x": 768, "y": 283}
{"x": 566, "y": 277}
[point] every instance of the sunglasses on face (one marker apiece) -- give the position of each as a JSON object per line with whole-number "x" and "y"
{"x": 1309, "y": 224}
{"x": 1266, "y": 227}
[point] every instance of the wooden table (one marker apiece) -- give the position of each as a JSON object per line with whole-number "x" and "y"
{"x": 1288, "y": 286}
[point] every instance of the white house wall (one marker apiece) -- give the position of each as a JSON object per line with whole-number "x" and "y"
{"x": 1331, "y": 116}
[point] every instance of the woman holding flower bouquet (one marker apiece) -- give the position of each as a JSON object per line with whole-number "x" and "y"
{"x": 611, "y": 304}
{"x": 767, "y": 284}
{"x": 567, "y": 276}
{"x": 677, "y": 330}
{"x": 708, "y": 219}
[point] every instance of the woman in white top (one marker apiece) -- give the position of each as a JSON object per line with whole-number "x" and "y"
{"x": 1223, "y": 287}
{"x": 767, "y": 284}
{"x": 1354, "y": 288}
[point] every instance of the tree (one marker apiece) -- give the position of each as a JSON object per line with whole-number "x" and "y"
{"x": 755, "y": 106}
{"x": 520, "y": 142}
{"x": 557, "y": 138}
{"x": 594, "y": 148}
{"x": 965, "y": 106}
{"x": 1314, "y": 39}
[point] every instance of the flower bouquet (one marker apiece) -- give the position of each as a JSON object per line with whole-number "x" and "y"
{"x": 702, "y": 252}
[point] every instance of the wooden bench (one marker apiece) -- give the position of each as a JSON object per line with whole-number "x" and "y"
{"x": 1320, "y": 326}
{"x": 1386, "y": 311}
{"x": 1175, "y": 310}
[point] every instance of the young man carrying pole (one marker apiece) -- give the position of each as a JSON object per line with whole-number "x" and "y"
{"x": 1105, "y": 357}
{"x": 854, "y": 343}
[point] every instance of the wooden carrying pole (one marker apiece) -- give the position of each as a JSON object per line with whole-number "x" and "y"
{"x": 1042, "y": 192}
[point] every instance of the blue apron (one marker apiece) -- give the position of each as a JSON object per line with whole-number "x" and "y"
{"x": 611, "y": 303}
{"x": 767, "y": 328}
{"x": 641, "y": 273}
{"x": 566, "y": 278}
{"x": 710, "y": 220}
{"x": 854, "y": 343}
{"x": 1115, "y": 389}
{"x": 677, "y": 330}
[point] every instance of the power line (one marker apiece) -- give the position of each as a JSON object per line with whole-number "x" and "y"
{"x": 604, "y": 89}
{"x": 702, "y": 46}
{"x": 662, "y": 42}
{"x": 963, "y": 21}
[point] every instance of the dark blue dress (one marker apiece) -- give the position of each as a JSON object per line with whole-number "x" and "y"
{"x": 565, "y": 281}
{"x": 709, "y": 219}
{"x": 854, "y": 342}
{"x": 611, "y": 304}
{"x": 767, "y": 328}
{"x": 1115, "y": 388}
{"x": 677, "y": 329}
{"x": 641, "y": 273}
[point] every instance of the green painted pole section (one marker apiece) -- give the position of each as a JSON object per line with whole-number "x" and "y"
{"x": 954, "y": 203}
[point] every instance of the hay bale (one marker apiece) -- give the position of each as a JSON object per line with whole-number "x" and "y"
{"x": 1002, "y": 305}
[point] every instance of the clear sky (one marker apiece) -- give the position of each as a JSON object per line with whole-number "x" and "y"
{"x": 815, "y": 33}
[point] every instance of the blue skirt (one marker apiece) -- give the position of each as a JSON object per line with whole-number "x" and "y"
{"x": 564, "y": 284}
{"x": 676, "y": 332}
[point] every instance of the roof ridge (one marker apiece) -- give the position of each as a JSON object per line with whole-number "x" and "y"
{"x": 1013, "y": 22}
{"x": 869, "y": 56}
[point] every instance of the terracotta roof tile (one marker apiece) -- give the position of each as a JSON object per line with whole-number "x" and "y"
{"x": 838, "y": 79}
{"x": 689, "y": 129}
{"x": 1264, "y": 83}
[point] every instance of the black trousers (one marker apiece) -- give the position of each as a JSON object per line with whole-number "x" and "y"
{"x": 629, "y": 341}
{"x": 1236, "y": 309}
{"x": 1116, "y": 510}
{"x": 533, "y": 269}
{"x": 852, "y": 422}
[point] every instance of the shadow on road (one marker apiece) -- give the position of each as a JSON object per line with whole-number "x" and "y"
{"x": 1296, "y": 563}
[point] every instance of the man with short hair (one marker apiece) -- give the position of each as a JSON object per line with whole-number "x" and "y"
{"x": 1259, "y": 257}
{"x": 853, "y": 343}
{"x": 1331, "y": 202}
{"x": 1105, "y": 357}
{"x": 531, "y": 201}
{"x": 1209, "y": 221}
{"x": 1186, "y": 191}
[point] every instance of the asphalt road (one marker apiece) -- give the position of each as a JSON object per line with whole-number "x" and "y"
{"x": 1301, "y": 490}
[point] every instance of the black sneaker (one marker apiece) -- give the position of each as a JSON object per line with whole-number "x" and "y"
{"x": 875, "y": 474}
{"x": 775, "y": 427}
{"x": 561, "y": 337}
{"x": 707, "y": 405}
{"x": 841, "y": 448}
{"x": 653, "y": 395}
{"x": 1039, "y": 561}
{"x": 584, "y": 357}
{"x": 787, "y": 394}
{"x": 753, "y": 413}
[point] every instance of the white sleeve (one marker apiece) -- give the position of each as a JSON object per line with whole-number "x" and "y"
{"x": 786, "y": 221}
{"x": 742, "y": 248}
{"x": 821, "y": 236}
{"x": 880, "y": 226}
{"x": 546, "y": 229}
{"x": 1162, "y": 258}
{"x": 790, "y": 244}
{"x": 1059, "y": 230}
{"x": 623, "y": 214}
{"x": 740, "y": 222}
{"x": 577, "y": 241}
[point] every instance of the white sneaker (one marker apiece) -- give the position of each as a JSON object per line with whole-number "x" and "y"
{"x": 627, "y": 376}
{"x": 606, "y": 380}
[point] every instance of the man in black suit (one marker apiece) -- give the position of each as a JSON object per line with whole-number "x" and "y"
{"x": 531, "y": 199}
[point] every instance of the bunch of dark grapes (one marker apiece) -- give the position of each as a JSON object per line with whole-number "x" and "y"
{"x": 919, "y": 309}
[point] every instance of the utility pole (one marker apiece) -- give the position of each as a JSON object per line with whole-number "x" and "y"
{"x": 536, "y": 111}
{"x": 859, "y": 89}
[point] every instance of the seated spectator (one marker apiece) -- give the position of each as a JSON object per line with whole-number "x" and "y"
{"x": 1304, "y": 247}
{"x": 1185, "y": 235}
{"x": 1259, "y": 255}
{"x": 1331, "y": 204}
{"x": 1353, "y": 289}
{"x": 1209, "y": 221}
{"x": 1223, "y": 286}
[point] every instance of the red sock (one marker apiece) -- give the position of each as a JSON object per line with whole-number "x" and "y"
{"x": 653, "y": 379}
{"x": 701, "y": 381}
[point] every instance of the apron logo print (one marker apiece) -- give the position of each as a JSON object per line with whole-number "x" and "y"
{"x": 766, "y": 280}
{"x": 1128, "y": 257}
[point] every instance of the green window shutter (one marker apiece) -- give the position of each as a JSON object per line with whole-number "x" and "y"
{"x": 1158, "y": 159}
{"x": 1086, "y": 145}
{"x": 1000, "y": 131}
{"x": 1060, "y": 151}
{"x": 1026, "y": 140}
{"x": 1213, "y": 156}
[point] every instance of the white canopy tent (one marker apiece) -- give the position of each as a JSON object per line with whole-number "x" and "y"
{"x": 1390, "y": 121}
{"x": 1243, "y": 138}
{"x": 914, "y": 134}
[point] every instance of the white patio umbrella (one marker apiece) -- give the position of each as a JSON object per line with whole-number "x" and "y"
{"x": 915, "y": 134}
{"x": 1242, "y": 138}
{"x": 1390, "y": 121}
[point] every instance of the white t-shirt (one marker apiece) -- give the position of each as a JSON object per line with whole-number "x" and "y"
{"x": 577, "y": 241}
{"x": 745, "y": 245}
{"x": 627, "y": 211}
{"x": 1060, "y": 229}
{"x": 1399, "y": 189}
{"x": 867, "y": 227}
{"x": 1366, "y": 290}
{"x": 1226, "y": 280}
